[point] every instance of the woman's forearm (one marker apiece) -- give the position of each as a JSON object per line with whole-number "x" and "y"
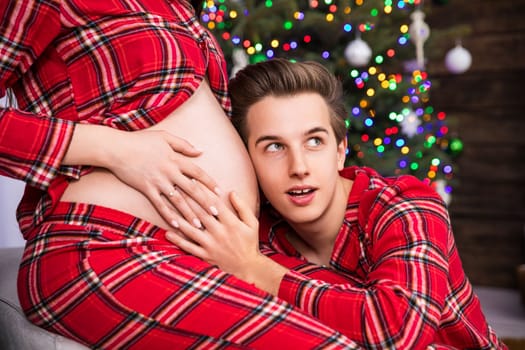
{"x": 93, "y": 145}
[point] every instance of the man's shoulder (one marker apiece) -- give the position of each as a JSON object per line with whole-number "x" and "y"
{"x": 390, "y": 186}
{"x": 381, "y": 194}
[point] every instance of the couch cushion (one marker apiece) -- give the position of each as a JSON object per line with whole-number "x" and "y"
{"x": 16, "y": 332}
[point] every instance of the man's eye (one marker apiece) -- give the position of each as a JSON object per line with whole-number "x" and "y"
{"x": 314, "y": 141}
{"x": 274, "y": 147}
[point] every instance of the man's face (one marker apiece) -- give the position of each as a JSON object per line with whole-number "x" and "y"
{"x": 294, "y": 151}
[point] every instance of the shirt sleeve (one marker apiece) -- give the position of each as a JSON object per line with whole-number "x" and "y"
{"x": 31, "y": 146}
{"x": 400, "y": 302}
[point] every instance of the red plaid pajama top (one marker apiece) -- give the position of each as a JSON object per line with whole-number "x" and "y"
{"x": 99, "y": 276}
{"x": 401, "y": 283}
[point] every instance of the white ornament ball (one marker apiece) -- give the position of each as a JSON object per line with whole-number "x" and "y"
{"x": 240, "y": 60}
{"x": 410, "y": 124}
{"x": 458, "y": 60}
{"x": 358, "y": 53}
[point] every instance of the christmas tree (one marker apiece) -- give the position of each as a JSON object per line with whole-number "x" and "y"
{"x": 376, "y": 49}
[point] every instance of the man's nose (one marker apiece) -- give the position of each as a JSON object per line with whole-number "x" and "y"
{"x": 298, "y": 163}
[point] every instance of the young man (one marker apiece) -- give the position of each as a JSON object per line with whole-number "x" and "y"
{"x": 379, "y": 262}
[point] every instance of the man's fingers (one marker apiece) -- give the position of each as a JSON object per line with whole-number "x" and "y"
{"x": 196, "y": 190}
{"x": 186, "y": 245}
{"x": 243, "y": 210}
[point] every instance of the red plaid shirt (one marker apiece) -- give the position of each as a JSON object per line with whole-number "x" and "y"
{"x": 126, "y": 65}
{"x": 69, "y": 61}
{"x": 401, "y": 283}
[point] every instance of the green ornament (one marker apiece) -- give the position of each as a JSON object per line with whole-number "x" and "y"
{"x": 456, "y": 146}
{"x": 258, "y": 57}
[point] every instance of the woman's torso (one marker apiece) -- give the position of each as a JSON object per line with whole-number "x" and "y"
{"x": 202, "y": 122}
{"x": 132, "y": 66}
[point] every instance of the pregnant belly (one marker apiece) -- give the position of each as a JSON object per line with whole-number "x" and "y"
{"x": 202, "y": 122}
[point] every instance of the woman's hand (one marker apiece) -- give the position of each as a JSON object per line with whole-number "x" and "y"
{"x": 154, "y": 162}
{"x": 159, "y": 165}
{"x": 231, "y": 241}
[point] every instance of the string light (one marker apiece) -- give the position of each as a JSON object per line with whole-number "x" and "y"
{"x": 371, "y": 81}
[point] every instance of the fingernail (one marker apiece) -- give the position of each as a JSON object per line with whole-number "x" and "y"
{"x": 214, "y": 211}
{"x": 197, "y": 223}
{"x": 174, "y": 224}
{"x": 217, "y": 190}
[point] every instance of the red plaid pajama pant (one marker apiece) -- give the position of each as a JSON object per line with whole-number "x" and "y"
{"x": 111, "y": 281}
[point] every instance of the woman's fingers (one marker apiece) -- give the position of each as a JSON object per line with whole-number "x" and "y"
{"x": 196, "y": 173}
{"x": 180, "y": 145}
{"x": 196, "y": 190}
{"x": 186, "y": 180}
{"x": 177, "y": 201}
{"x": 192, "y": 171}
{"x": 168, "y": 201}
{"x": 208, "y": 220}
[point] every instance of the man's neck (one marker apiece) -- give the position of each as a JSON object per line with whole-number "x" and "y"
{"x": 315, "y": 240}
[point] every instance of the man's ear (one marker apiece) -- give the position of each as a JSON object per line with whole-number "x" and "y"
{"x": 341, "y": 153}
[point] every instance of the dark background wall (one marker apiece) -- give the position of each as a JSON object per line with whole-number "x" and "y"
{"x": 487, "y": 106}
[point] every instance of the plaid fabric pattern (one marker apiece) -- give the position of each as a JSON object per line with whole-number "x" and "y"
{"x": 401, "y": 283}
{"x": 99, "y": 276}
{"x": 34, "y": 159}
{"x": 124, "y": 64}
{"x": 112, "y": 281}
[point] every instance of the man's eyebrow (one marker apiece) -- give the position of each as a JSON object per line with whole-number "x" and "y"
{"x": 317, "y": 129}
{"x": 266, "y": 138}
{"x": 275, "y": 138}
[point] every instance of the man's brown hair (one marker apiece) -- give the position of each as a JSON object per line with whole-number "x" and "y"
{"x": 280, "y": 77}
